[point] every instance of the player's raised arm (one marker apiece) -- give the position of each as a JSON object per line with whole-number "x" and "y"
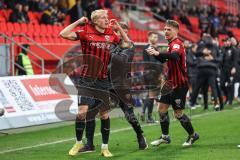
{"x": 67, "y": 32}
{"x": 117, "y": 26}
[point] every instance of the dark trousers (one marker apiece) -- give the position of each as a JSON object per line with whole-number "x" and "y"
{"x": 206, "y": 77}
{"x": 148, "y": 104}
{"x": 227, "y": 85}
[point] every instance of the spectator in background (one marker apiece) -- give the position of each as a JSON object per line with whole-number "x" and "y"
{"x": 2, "y": 4}
{"x": 25, "y": 12}
{"x": 18, "y": 15}
{"x": 183, "y": 18}
{"x": 90, "y": 8}
{"x": 61, "y": 15}
{"x": 10, "y": 3}
{"x": 204, "y": 22}
{"x": 192, "y": 62}
{"x": 193, "y": 11}
{"x": 215, "y": 24}
{"x": 49, "y": 16}
{"x": 77, "y": 11}
{"x": 125, "y": 16}
{"x": 238, "y": 20}
{"x": 24, "y": 66}
{"x": 42, "y": 5}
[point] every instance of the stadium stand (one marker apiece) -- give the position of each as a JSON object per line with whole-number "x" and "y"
{"x": 48, "y": 35}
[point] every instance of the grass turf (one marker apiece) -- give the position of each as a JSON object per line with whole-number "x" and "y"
{"x": 219, "y": 136}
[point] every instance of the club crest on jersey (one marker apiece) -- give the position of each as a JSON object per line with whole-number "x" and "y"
{"x": 178, "y": 101}
{"x": 176, "y": 46}
{"x": 107, "y": 38}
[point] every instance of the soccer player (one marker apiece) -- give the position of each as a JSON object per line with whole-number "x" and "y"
{"x": 177, "y": 75}
{"x": 121, "y": 57}
{"x": 96, "y": 39}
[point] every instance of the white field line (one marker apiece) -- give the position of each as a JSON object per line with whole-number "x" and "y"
{"x": 97, "y": 134}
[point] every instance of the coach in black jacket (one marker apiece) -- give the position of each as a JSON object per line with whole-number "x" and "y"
{"x": 207, "y": 69}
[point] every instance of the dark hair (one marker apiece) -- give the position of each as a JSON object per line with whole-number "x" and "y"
{"x": 152, "y": 32}
{"x": 123, "y": 25}
{"x": 172, "y": 23}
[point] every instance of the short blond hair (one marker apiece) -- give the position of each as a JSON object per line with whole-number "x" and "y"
{"x": 95, "y": 14}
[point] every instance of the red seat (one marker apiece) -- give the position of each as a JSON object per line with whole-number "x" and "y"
{"x": 50, "y": 40}
{"x": 37, "y": 39}
{"x": 2, "y": 17}
{"x": 17, "y": 28}
{"x": 3, "y": 27}
{"x": 43, "y": 29}
{"x": 44, "y": 40}
{"x": 36, "y": 30}
{"x": 10, "y": 27}
{"x": 23, "y": 28}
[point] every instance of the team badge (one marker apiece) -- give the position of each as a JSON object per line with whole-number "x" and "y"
{"x": 107, "y": 38}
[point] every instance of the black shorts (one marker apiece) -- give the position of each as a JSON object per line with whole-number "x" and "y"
{"x": 99, "y": 86}
{"x": 177, "y": 98}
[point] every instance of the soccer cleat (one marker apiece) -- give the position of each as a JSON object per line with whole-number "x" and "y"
{"x": 191, "y": 140}
{"x": 106, "y": 153}
{"x": 75, "y": 149}
{"x": 87, "y": 149}
{"x": 150, "y": 120}
{"x": 142, "y": 143}
{"x": 216, "y": 107}
{"x": 162, "y": 140}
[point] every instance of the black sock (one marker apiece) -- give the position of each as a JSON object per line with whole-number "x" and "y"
{"x": 79, "y": 128}
{"x": 90, "y": 128}
{"x": 105, "y": 130}
{"x": 150, "y": 108}
{"x": 132, "y": 119}
{"x": 164, "y": 122}
{"x": 186, "y": 123}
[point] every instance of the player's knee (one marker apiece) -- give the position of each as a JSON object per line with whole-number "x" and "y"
{"x": 104, "y": 115}
{"x": 178, "y": 113}
{"x": 82, "y": 112}
{"x": 164, "y": 117}
{"x": 162, "y": 109}
{"x": 130, "y": 117}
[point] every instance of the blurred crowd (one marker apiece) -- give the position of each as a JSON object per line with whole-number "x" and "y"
{"x": 53, "y": 11}
{"x": 210, "y": 20}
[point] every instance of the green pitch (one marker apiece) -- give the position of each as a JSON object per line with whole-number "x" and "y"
{"x": 219, "y": 136}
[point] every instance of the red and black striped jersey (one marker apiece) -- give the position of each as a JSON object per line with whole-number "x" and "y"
{"x": 177, "y": 70}
{"x": 96, "y": 49}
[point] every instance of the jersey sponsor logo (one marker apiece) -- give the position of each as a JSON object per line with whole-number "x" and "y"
{"x": 176, "y": 46}
{"x": 80, "y": 30}
{"x": 101, "y": 45}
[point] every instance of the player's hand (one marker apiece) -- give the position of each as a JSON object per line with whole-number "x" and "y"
{"x": 233, "y": 71}
{"x": 83, "y": 20}
{"x": 209, "y": 58}
{"x": 152, "y": 51}
{"x": 206, "y": 51}
{"x": 114, "y": 24}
